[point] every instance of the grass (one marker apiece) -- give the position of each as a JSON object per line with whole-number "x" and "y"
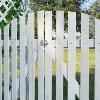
{"x": 78, "y": 54}
{"x": 91, "y": 75}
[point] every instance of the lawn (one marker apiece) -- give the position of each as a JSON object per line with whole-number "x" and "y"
{"x": 91, "y": 75}
{"x": 78, "y": 52}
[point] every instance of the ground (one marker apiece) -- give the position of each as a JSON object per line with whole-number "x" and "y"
{"x": 91, "y": 75}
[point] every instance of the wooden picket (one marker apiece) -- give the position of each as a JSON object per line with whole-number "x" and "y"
{"x": 71, "y": 54}
{"x": 84, "y": 86}
{"x": 59, "y": 54}
{"x": 48, "y": 56}
{"x": 97, "y": 58}
{"x": 40, "y": 19}
{"x": 31, "y": 63}
{"x": 22, "y": 59}
{"x": 6, "y": 62}
{"x": 14, "y": 58}
{"x": 43, "y": 51}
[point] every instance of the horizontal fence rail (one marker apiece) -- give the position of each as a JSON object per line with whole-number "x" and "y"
{"x": 40, "y": 69}
{"x": 65, "y": 43}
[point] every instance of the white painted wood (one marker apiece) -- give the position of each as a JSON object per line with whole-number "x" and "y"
{"x": 59, "y": 54}
{"x": 65, "y": 43}
{"x": 65, "y": 74}
{"x": 91, "y": 43}
{"x": 53, "y": 50}
{"x": 22, "y": 59}
{"x": 40, "y": 19}
{"x": 73, "y": 86}
{"x": 10, "y": 95}
{"x": 84, "y": 84}
{"x": 31, "y": 56}
{"x": 71, "y": 54}
{"x": 6, "y": 62}
{"x": 14, "y": 58}
{"x": 97, "y": 59}
{"x": 0, "y": 68}
{"x": 48, "y": 55}
{"x": 78, "y": 43}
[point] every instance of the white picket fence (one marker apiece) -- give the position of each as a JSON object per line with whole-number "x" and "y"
{"x": 32, "y": 49}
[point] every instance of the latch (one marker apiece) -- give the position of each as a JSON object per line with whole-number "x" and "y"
{"x": 43, "y": 42}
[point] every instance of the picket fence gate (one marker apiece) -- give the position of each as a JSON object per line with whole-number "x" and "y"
{"x": 32, "y": 50}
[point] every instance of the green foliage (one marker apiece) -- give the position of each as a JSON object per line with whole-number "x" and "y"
{"x": 54, "y": 5}
{"x": 58, "y": 3}
{"x": 13, "y": 11}
{"x": 95, "y": 8}
{"x": 94, "y": 11}
{"x": 40, "y": 4}
{"x": 92, "y": 26}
